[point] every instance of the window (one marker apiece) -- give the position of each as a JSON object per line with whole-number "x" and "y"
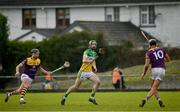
{"x": 29, "y": 18}
{"x": 108, "y": 17}
{"x": 147, "y": 15}
{"x": 62, "y": 18}
{"x": 116, "y": 14}
{"x": 112, "y": 14}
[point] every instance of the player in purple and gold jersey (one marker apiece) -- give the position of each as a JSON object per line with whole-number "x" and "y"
{"x": 155, "y": 56}
{"x": 30, "y": 66}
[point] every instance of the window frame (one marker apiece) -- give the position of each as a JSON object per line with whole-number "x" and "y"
{"x": 116, "y": 14}
{"x": 112, "y": 14}
{"x": 65, "y": 17}
{"x": 108, "y": 16}
{"x": 32, "y": 17}
{"x": 150, "y": 16}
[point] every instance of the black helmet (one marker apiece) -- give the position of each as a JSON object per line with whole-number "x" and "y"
{"x": 152, "y": 42}
{"x": 35, "y": 51}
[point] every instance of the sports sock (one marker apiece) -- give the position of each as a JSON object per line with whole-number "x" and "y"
{"x": 92, "y": 94}
{"x": 157, "y": 98}
{"x": 66, "y": 95}
{"x": 23, "y": 92}
{"x": 13, "y": 93}
{"x": 147, "y": 98}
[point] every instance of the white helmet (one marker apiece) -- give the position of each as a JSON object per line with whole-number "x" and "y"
{"x": 92, "y": 42}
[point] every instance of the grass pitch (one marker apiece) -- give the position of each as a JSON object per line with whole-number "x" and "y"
{"x": 108, "y": 101}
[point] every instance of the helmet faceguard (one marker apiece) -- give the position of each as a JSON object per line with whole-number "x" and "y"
{"x": 35, "y": 53}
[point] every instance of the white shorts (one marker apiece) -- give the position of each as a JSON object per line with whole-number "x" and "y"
{"x": 158, "y": 73}
{"x": 24, "y": 76}
{"x": 86, "y": 75}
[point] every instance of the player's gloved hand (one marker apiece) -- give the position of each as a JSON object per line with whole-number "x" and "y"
{"x": 17, "y": 74}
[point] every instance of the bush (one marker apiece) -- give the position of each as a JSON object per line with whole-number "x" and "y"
{"x": 17, "y": 51}
{"x": 174, "y": 53}
{"x": 3, "y": 41}
{"x": 121, "y": 56}
{"x": 70, "y": 47}
{"x": 3, "y": 47}
{"x": 54, "y": 51}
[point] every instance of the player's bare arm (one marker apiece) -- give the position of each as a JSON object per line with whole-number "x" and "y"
{"x": 94, "y": 66}
{"x": 167, "y": 58}
{"x": 20, "y": 65}
{"x": 146, "y": 66}
{"x": 43, "y": 70}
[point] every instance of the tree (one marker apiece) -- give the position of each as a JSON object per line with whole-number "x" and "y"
{"x": 3, "y": 45}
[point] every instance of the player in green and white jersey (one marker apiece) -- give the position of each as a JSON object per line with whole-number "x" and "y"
{"x": 87, "y": 71}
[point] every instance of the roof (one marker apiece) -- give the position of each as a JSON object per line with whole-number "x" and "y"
{"x": 45, "y": 32}
{"x": 75, "y": 2}
{"x": 114, "y": 32}
{"x": 48, "y": 32}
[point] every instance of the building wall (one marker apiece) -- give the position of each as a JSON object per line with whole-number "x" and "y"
{"x": 124, "y": 14}
{"x": 14, "y": 17}
{"x": 87, "y": 14}
{"x": 167, "y": 27}
{"x": 46, "y": 18}
{"x": 129, "y": 14}
{"x": 34, "y": 36}
{"x": 51, "y": 15}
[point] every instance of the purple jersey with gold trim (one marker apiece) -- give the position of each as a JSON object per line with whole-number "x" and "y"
{"x": 31, "y": 66}
{"x": 157, "y": 57}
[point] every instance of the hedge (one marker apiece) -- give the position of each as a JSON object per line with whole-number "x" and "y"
{"x": 70, "y": 47}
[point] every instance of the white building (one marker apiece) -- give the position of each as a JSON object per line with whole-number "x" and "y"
{"x": 159, "y": 18}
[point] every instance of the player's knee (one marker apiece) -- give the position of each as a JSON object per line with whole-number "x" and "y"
{"x": 27, "y": 85}
{"x": 153, "y": 89}
{"x": 98, "y": 82}
{"x": 76, "y": 87}
{"x": 18, "y": 90}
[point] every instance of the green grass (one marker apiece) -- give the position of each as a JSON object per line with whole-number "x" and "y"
{"x": 108, "y": 101}
{"x": 172, "y": 68}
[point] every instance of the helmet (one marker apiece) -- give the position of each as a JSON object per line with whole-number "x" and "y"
{"x": 152, "y": 42}
{"x": 35, "y": 51}
{"x": 92, "y": 42}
